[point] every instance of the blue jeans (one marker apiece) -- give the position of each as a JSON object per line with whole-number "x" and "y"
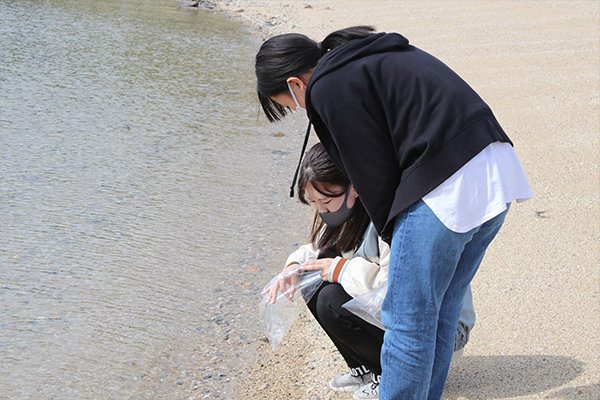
{"x": 430, "y": 269}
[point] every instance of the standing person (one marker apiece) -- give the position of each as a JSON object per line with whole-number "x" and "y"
{"x": 352, "y": 260}
{"x": 433, "y": 168}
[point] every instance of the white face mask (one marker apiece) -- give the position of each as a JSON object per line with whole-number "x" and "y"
{"x": 294, "y": 96}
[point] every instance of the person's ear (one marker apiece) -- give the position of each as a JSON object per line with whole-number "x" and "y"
{"x": 353, "y": 192}
{"x": 294, "y": 81}
{"x": 298, "y": 87}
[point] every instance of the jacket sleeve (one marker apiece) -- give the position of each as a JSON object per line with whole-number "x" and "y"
{"x": 359, "y": 275}
{"x": 467, "y": 312}
{"x": 304, "y": 253}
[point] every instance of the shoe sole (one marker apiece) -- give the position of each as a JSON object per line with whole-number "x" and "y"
{"x": 345, "y": 389}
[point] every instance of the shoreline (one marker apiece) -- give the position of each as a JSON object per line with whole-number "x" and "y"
{"x": 537, "y": 294}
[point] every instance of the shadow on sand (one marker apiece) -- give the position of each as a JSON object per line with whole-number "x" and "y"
{"x": 498, "y": 377}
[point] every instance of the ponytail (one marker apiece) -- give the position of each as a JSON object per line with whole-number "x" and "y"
{"x": 342, "y": 36}
{"x": 293, "y": 54}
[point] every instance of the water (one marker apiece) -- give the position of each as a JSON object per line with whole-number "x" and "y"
{"x": 143, "y": 201}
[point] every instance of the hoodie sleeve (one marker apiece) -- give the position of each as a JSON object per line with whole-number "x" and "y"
{"x": 360, "y": 275}
{"x": 356, "y": 134}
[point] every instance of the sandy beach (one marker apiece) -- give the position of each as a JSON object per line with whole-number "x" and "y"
{"x": 537, "y": 293}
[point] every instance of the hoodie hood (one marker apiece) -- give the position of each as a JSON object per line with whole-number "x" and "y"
{"x": 354, "y": 50}
{"x": 339, "y": 57}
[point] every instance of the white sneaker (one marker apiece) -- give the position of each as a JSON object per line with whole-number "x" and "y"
{"x": 349, "y": 383}
{"x": 369, "y": 391}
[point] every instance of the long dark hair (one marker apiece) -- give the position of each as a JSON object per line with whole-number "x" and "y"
{"x": 319, "y": 170}
{"x": 293, "y": 54}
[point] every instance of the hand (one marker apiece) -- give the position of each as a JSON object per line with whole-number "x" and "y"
{"x": 285, "y": 283}
{"x": 322, "y": 265}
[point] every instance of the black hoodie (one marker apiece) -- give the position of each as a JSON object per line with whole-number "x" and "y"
{"x": 396, "y": 121}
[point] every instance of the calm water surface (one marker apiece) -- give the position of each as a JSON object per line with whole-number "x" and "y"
{"x": 143, "y": 200}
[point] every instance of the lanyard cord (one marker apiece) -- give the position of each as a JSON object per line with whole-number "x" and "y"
{"x": 300, "y": 160}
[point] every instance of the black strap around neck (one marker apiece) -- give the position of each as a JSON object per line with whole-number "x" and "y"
{"x": 306, "y": 136}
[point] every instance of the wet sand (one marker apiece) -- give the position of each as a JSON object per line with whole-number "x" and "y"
{"x": 537, "y": 293}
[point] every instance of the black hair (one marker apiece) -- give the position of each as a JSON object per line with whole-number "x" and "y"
{"x": 293, "y": 54}
{"x": 319, "y": 170}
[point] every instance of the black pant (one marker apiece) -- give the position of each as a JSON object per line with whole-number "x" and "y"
{"x": 357, "y": 341}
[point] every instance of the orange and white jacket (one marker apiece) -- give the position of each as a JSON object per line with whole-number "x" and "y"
{"x": 358, "y": 271}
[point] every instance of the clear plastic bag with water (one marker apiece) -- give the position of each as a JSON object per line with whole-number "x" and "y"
{"x": 276, "y": 319}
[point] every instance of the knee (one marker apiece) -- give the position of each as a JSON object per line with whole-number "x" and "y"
{"x": 329, "y": 306}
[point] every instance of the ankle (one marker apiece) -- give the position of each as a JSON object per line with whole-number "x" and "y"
{"x": 359, "y": 371}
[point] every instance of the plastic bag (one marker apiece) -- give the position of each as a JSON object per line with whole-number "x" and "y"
{"x": 368, "y": 305}
{"x": 276, "y": 319}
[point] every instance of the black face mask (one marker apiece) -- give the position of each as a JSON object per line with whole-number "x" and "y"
{"x": 336, "y": 218}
